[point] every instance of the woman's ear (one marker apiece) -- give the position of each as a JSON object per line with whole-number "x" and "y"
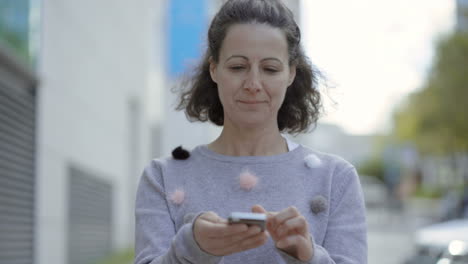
{"x": 212, "y": 69}
{"x": 292, "y": 74}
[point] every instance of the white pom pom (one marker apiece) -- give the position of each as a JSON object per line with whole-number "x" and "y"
{"x": 312, "y": 161}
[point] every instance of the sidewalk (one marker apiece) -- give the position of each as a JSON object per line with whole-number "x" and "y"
{"x": 393, "y": 230}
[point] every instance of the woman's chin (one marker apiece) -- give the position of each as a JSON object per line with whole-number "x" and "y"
{"x": 253, "y": 121}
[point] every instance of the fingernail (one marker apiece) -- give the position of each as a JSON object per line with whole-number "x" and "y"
{"x": 280, "y": 244}
{"x": 256, "y": 229}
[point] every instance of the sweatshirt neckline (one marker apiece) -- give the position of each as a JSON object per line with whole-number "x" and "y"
{"x": 208, "y": 153}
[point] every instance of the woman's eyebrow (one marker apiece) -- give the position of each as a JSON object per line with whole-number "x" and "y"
{"x": 272, "y": 58}
{"x": 245, "y": 58}
{"x": 237, "y": 56}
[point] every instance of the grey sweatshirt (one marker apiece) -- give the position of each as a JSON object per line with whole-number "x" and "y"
{"x": 323, "y": 187}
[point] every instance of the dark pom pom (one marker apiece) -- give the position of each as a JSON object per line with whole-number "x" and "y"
{"x": 318, "y": 204}
{"x": 180, "y": 154}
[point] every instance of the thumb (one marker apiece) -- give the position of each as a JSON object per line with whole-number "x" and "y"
{"x": 258, "y": 209}
{"x": 212, "y": 217}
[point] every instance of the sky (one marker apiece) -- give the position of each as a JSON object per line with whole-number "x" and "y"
{"x": 373, "y": 53}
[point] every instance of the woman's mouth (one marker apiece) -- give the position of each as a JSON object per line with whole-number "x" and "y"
{"x": 251, "y": 101}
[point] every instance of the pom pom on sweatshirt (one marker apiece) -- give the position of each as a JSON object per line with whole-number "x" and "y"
{"x": 180, "y": 153}
{"x": 247, "y": 180}
{"x": 312, "y": 161}
{"x": 177, "y": 197}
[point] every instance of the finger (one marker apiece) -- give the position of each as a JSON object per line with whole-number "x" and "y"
{"x": 297, "y": 225}
{"x": 292, "y": 243}
{"x": 284, "y": 215}
{"x": 219, "y": 245}
{"x": 259, "y": 209}
{"x": 254, "y": 241}
{"x": 212, "y": 217}
{"x": 298, "y": 245}
{"x": 213, "y": 226}
{"x": 228, "y": 241}
{"x": 248, "y": 243}
{"x": 224, "y": 230}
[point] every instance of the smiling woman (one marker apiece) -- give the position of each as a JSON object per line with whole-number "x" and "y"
{"x": 302, "y": 103}
{"x": 252, "y": 75}
{"x": 255, "y": 82}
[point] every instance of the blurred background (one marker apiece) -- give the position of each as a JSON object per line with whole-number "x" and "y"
{"x": 86, "y": 103}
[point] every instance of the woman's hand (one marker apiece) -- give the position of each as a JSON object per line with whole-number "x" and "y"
{"x": 215, "y": 236}
{"x": 290, "y": 231}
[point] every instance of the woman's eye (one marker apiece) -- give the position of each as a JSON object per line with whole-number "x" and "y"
{"x": 271, "y": 70}
{"x": 237, "y": 68}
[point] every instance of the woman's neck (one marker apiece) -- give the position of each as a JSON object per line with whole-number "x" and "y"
{"x": 254, "y": 142}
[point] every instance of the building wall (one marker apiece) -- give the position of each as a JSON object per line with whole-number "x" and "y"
{"x": 184, "y": 31}
{"x": 295, "y": 6}
{"x": 462, "y": 15}
{"x": 17, "y": 158}
{"x": 94, "y": 67}
{"x": 332, "y": 139}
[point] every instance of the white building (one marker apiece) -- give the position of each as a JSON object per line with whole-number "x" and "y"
{"x": 332, "y": 139}
{"x": 93, "y": 140}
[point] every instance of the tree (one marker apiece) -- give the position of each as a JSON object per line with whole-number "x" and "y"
{"x": 14, "y": 27}
{"x": 435, "y": 116}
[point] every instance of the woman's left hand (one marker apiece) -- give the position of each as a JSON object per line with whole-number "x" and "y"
{"x": 290, "y": 231}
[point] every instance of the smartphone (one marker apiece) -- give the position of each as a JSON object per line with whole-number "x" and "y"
{"x": 248, "y": 218}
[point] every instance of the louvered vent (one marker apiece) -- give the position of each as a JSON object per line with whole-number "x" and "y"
{"x": 17, "y": 151}
{"x": 89, "y": 216}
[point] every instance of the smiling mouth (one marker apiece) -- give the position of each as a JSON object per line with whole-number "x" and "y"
{"x": 251, "y": 102}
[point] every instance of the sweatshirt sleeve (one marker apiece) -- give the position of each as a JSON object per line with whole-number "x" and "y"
{"x": 346, "y": 236}
{"x": 156, "y": 241}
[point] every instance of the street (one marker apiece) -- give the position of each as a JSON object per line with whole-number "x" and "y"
{"x": 390, "y": 235}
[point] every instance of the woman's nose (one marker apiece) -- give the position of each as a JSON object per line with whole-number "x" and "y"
{"x": 253, "y": 84}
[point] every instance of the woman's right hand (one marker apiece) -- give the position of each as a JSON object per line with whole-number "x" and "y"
{"x": 217, "y": 237}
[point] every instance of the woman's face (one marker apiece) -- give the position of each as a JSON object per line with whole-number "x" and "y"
{"x": 252, "y": 74}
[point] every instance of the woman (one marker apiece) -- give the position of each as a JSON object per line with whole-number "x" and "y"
{"x": 255, "y": 82}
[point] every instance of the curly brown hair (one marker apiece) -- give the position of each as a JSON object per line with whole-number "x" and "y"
{"x": 302, "y": 104}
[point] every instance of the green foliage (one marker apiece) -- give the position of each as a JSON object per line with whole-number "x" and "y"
{"x": 433, "y": 193}
{"x": 14, "y": 27}
{"x": 435, "y": 116}
{"x": 18, "y": 45}
{"x": 124, "y": 257}
{"x": 373, "y": 167}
